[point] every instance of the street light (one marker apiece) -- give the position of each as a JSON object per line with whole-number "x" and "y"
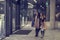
{"x": 16, "y": 0}
{"x": 57, "y": 6}
{"x": 1, "y": 8}
{"x": 35, "y": 1}
{"x": 47, "y": 4}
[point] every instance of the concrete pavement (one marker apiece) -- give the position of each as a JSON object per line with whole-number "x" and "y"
{"x": 50, "y": 34}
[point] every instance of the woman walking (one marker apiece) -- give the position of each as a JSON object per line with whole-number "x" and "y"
{"x": 43, "y": 27}
{"x": 37, "y": 28}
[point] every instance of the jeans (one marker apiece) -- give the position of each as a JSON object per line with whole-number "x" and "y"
{"x": 37, "y": 31}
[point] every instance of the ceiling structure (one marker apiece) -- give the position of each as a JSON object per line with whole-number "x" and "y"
{"x": 33, "y": 2}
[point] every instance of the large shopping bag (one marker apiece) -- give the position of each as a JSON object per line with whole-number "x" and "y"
{"x": 45, "y": 25}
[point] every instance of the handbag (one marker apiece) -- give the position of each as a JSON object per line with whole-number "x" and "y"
{"x": 45, "y": 26}
{"x": 32, "y": 24}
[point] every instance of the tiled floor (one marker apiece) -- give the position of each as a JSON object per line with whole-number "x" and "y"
{"x": 49, "y": 35}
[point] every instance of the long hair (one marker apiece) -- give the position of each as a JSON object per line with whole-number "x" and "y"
{"x": 38, "y": 15}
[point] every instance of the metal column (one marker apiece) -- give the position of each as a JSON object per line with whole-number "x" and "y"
{"x": 8, "y": 17}
{"x": 17, "y": 16}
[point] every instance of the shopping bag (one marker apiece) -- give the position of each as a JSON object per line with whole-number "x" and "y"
{"x": 45, "y": 26}
{"x": 32, "y": 24}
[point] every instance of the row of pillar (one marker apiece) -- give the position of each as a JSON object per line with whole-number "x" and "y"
{"x": 8, "y": 17}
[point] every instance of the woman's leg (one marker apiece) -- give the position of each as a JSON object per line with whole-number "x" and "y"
{"x": 37, "y": 31}
{"x": 42, "y": 33}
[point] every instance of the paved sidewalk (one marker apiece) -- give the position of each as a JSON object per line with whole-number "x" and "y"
{"x": 49, "y": 35}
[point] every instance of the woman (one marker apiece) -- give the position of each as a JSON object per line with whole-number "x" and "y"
{"x": 37, "y": 28}
{"x": 42, "y": 17}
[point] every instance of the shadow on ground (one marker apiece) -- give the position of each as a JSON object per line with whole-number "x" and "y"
{"x": 23, "y": 32}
